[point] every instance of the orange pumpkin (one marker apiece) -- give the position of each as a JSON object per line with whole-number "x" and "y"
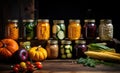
{"x": 8, "y": 47}
{"x": 37, "y": 53}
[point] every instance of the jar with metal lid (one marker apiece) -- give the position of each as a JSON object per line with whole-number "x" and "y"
{"x": 106, "y": 29}
{"x": 79, "y": 48}
{"x": 89, "y": 29}
{"x": 28, "y": 32}
{"x": 74, "y": 29}
{"x": 12, "y": 29}
{"x": 43, "y": 29}
{"x": 58, "y": 29}
{"x": 66, "y": 49}
{"x": 52, "y": 49}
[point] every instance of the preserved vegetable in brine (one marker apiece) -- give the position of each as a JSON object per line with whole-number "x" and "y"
{"x": 89, "y": 29}
{"x": 43, "y": 29}
{"x": 12, "y": 30}
{"x": 52, "y": 49}
{"x": 74, "y": 29}
{"x": 58, "y": 29}
{"x": 106, "y": 29}
{"x": 29, "y": 29}
{"x": 66, "y": 49}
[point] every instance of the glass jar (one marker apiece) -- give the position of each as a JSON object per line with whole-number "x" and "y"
{"x": 58, "y": 29}
{"x": 74, "y": 29}
{"x": 89, "y": 29}
{"x": 43, "y": 29}
{"x": 79, "y": 48}
{"x": 52, "y": 49}
{"x": 28, "y": 32}
{"x": 12, "y": 30}
{"x": 106, "y": 29}
{"x": 66, "y": 49}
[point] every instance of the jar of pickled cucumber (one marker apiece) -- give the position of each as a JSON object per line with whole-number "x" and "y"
{"x": 66, "y": 49}
{"x": 43, "y": 29}
{"x": 52, "y": 49}
{"x": 74, "y": 29}
{"x": 58, "y": 29}
{"x": 12, "y": 30}
{"x": 106, "y": 30}
{"x": 29, "y": 27}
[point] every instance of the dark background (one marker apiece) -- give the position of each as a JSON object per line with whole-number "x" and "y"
{"x": 80, "y": 9}
{"x": 62, "y": 9}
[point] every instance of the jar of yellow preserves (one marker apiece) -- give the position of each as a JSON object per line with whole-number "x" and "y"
{"x": 43, "y": 29}
{"x": 12, "y": 30}
{"x": 74, "y": 29}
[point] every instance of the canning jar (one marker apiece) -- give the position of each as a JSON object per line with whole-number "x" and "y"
{"x": 43, "y": 29}
{"x": 79, "y": 48}
{"x": 66, "y": 49}
{"x": 106, "y": 29}
{"x": 58, "y": 29}
{"x": 52, "y": 49}
{"x": 12, "y": 30}
{"x": 89, "y": 29}
{"x": 29, "y": 27}
{"x": 74, "y": 29}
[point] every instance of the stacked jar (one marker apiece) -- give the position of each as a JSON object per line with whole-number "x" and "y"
{"x": 28, "y": 32}
{"x": 79, "y": 48}
{"x": 89, "y": 29}
{"x": 58, "y": 29}
{"x": 66, "y": 49}
{"x": 52, "y": 49}
{"x": 106, "y": 30}
{"x": 74, "y": 29}
{"x": 12, "y": 30}
{"x": 43, "y": 29}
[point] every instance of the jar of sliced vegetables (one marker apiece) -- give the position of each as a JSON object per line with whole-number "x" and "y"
{"x": 43, "y": 29}
{"x": 58, "y": 29}
{"x": 66, "y": 50}
{"x": 12, "y": 30}
{"x": 74, "y": 29}
{"x": 28, "y": 32}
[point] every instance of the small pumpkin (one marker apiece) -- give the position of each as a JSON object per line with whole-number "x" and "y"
{"x": 8, "y": 47}
{"x": 37, "y": 53}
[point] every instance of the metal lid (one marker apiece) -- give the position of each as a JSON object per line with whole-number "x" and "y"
{"x": 28, "y": 20}
{"x": 52, "y": 41}
{"x": 74, "y": 20}
{"x": 14, "y": 20}
{"x": 43, "y": 20}
{"x": 106, "y": 21}
{"x": 58, "y": 21}
{"x": 66, "y": 42}
{"x": 80, "y": 42}
{"x": 89, "y": 20}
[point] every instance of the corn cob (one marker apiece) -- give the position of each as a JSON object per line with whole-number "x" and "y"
{"x": 111, "y": 53}
{"x": 103, "y": 56}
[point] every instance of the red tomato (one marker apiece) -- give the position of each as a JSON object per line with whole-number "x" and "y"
{"x": 39, "y": 66}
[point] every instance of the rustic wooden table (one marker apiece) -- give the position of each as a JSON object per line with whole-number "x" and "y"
{"x": 69, "y": 66}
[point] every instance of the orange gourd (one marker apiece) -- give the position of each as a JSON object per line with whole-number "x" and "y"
{"x": 37, "y": 53}
{"x": 7, "y": 48}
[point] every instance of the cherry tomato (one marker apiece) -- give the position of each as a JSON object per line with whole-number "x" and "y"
{"x": 38, "y": 63}
{"x": 15, "y": 69}
{"x": 39, "y": 66}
